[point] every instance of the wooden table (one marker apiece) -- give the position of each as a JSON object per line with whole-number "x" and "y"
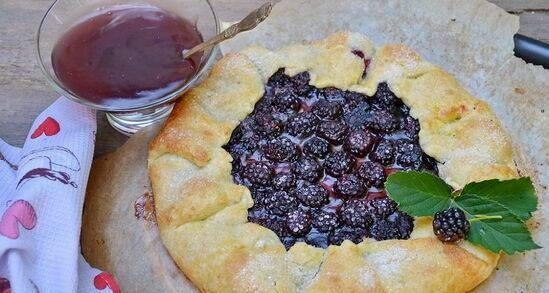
{"x": 24, "y": 92}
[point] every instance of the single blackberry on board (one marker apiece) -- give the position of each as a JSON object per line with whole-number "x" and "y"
{"x": 451, "y": 225}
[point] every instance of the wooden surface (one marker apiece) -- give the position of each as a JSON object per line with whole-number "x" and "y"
{"x": 24, "y": 92}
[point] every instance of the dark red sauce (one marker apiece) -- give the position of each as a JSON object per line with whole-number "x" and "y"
{"x": 126, "y": 56}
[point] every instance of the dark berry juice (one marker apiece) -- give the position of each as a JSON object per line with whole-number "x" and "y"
{"x": 126, "y": 56}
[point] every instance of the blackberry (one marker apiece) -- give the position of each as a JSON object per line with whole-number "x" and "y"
{"x": 317, "y": 239}
{"x": 332, "y": 131}
{"x": 302, "y": 125}
{"x": 284, "y": 181}
{"x": 354, "y": 234}
{"x": 381, "y": 208}
{"x": 384, "y": 97}
{"x": 274, "y": 223}
{"x": 408, "y": 154}
{"x": 403, "y": 222}
{"x": 349, "y": 186}
{"x": 258, "y": 173}
{"x": 268, "y": 125}
{"x": 308, "y": 169}
{"x": 316, "y": 147}
{"x": 301, "y": 83}
{"x": 352, "y": 100}
{"x": 285, "y": 100}
{"x": 451, "y": 225}
{"x": 332, "y": 94}
{"x": 327, "y": 110}
{"x": 359, "y": 142}
{"x": 372, "y": 173}
{"x": 384, "y": 230}
{"x": 359, "y": 116}
{"x": 339, "y": 163}
{"x": 355, "y": 213}
{"x": 281, "y": 149}
{"x": 382, "y": 121}
{"x": 242, "y": 142}
{"x": 325, "y": 221}
{"x": 259, "y": 195}
{"x": 298, "y": 222}
{"x": 278, "y": 79}
{"x": 410, "y": 126}
{"x": 383, "y": 153}
{"x": 280, "y": 203}
{"x": 312, "y": 195}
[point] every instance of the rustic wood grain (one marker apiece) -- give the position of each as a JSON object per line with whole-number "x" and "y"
{"x": 24, "y": 92}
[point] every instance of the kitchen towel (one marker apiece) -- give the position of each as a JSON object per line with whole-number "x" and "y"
{"x": 42, "y": 190}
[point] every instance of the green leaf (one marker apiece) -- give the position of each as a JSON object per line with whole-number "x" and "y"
{"x": 517, "y": 195}
{"x": 508, "y": 234}
{"x": 419, "y": 193}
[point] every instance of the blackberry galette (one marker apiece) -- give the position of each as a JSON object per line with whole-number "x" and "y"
{"x": 318, "y": 163}
{"x": 269, "y": 176}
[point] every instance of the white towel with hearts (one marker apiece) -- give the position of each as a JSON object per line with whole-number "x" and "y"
{"x": 42, "y": 188}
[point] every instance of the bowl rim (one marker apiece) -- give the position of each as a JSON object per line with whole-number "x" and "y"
{"x": 172, "y": 95}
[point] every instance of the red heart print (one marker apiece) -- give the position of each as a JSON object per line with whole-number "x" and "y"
{"x": 104, "y": 280}
{"x": 5, "y": 285}
{"x": 22, "y": 212}
{"x": 49, "y": 127}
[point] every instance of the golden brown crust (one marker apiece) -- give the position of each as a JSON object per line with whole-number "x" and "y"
{"x": 202, "y": 214}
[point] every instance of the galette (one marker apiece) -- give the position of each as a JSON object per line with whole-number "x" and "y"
{"x": 270, "y": 175}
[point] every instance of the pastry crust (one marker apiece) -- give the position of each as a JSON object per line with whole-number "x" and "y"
{"x": 202, "y": 214}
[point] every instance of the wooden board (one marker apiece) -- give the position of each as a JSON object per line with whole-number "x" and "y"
{"x": 24, "y": 92}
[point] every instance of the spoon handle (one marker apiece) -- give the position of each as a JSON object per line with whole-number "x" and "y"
{"x": 249, "y": 22}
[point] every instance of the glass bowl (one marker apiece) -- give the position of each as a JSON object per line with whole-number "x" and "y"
{"x": 63, "y": 14}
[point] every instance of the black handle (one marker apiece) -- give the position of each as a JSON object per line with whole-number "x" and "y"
{"x": 532, "y": 50}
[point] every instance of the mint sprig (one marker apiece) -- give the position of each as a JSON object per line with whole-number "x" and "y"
{"x": 495, "y": 209}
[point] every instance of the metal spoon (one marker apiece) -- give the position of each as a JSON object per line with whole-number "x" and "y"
{"x": 249, "y": 22}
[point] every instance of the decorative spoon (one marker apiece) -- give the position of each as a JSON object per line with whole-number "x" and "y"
{"x": 249, "y": 22}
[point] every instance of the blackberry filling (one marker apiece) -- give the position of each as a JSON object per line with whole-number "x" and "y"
{"x": 316, "y": 160}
